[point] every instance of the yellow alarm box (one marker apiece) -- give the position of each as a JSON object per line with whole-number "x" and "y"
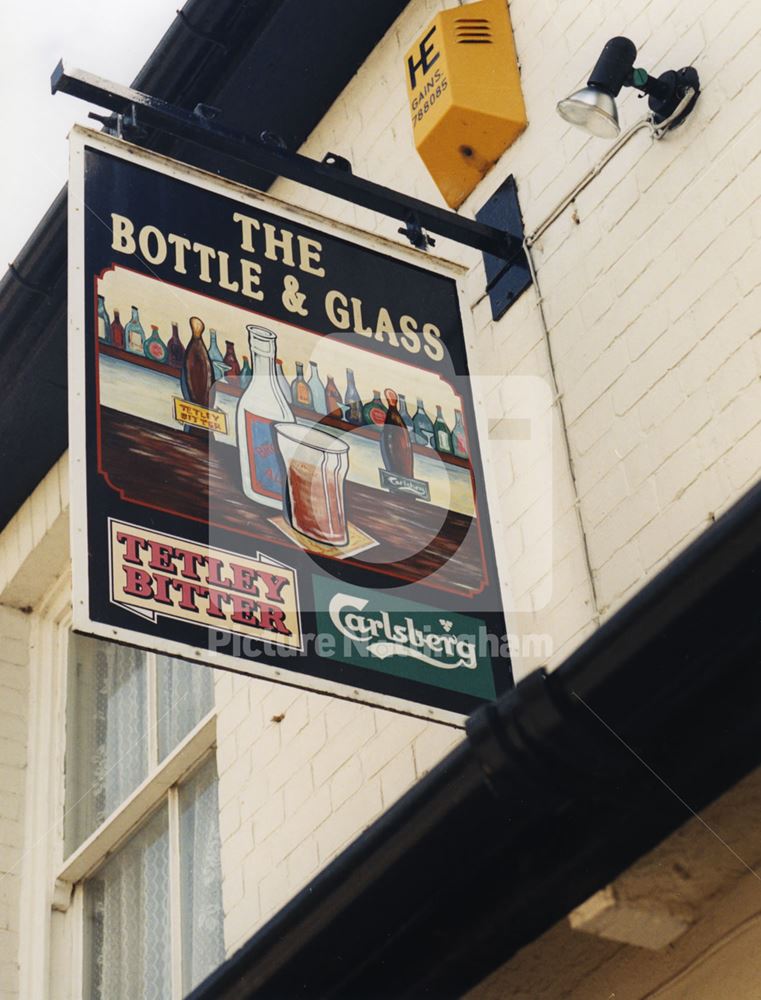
{"x": 464, "y": 89}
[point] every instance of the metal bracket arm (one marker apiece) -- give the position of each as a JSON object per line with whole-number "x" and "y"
{"x": 151, "y": 112}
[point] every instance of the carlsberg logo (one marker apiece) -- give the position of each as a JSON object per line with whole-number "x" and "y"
{"x": 375, "y": 633}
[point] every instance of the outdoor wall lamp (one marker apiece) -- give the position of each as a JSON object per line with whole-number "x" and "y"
{"x": 593, "y": 108}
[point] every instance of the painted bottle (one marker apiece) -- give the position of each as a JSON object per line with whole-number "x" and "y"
{"x": 117, "y": 331}
{"x": 374, "y": 412}
{"x": 441, "y": 434}
{"x": 404, "y": 414}
{"x": 284, "y": 383}
{"x": 301, "y": 394}
{"x": 196, "y": 376}
{"x": 245, "y": 372}
{"x": 396, "y": 447}
{"x": 319, "y": 403}
{"x": 231, "y": 358}
{"x": 154, "y": 347}
{"x": 261, "y": 405}
{"x": 218, "y": 366}
{"x": 104, "y": 322}
{"x": 333, "y": 400}
{"x": 134, "y": 334}
{"x": 353, "y": 400}
{"x": 459, "y": 440}
{"x": 422, "y": 426}
{"x": 175, "y": 348}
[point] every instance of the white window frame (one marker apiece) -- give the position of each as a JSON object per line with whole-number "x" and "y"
{"x": 52, "y": 943}
{"x": 164, "y": 790}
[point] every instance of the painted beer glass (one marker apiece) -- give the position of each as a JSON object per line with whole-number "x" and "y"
{"x": 315, "y": 465}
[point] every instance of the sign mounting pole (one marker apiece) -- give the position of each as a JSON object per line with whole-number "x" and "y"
{"x": 333, "y": 176}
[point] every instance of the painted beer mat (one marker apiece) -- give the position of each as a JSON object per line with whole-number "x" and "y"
{"x": 274, "y": 416}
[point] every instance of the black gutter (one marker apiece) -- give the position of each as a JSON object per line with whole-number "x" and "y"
{"x": 544, "y": 802}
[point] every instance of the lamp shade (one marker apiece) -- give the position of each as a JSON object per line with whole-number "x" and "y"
{"x": 592, "y": 110}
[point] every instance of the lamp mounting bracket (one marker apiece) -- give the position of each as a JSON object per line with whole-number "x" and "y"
{"x": 666, "y": 92}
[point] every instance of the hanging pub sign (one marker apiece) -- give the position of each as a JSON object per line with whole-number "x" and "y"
{"x": 274, "y": 457}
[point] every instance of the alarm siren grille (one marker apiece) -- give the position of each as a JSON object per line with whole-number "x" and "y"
{"x": 473, "y": 31}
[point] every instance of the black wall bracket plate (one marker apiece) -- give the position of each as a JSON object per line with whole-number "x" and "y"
{"x": 505, "y": 280}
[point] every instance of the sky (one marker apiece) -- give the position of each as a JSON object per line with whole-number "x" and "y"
{"x": 112, "y": 38}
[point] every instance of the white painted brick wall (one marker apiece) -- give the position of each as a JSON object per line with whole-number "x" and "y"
{"x": 652, "y": 299}
{"x": 652, "y": 302}
{"x": 33, "y": 542}
{"x": 33, "y": 546}
{"x": 14, "y": 636}
{"x": 293, "y": 793}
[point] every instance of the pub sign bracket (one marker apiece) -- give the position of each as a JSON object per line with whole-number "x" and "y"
{"x": 505, "y": 280}
{"x": 138, "y": 112}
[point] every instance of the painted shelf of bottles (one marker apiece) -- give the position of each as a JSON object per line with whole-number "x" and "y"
{"x": 121, "y": 354}
{"x": 232, "y": 391}
{"x": 169, "y": 363}
{"x": 371, "y": 431}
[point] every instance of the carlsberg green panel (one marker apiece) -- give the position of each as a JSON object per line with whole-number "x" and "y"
{"x": 400, "y": 638}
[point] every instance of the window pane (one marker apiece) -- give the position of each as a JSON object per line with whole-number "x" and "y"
{"x": 203, "y": 947}
{"x": 106, "y": 732}
{"x": 186, "y": 695}
{"x": 127, "y": 948}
